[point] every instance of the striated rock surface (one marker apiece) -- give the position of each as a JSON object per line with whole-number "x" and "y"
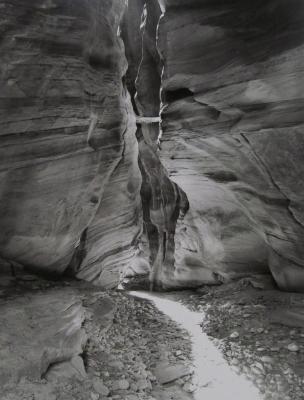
{"x": 69, "y": 177}
{"x": 39, "y": 330}
{"x": 217, "y": 191}
{"x": 161, "y": 198}
{"x": 46, "y": 327}
{"x": 232, "y": 122}
{"x": 232, "y": 117}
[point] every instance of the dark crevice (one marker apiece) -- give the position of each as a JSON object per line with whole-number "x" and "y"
{"x": 97, "y": 61}
{"x": 164, "y": 245}
{"x": 163, "y": 202}
{"x": 222, "y": 176}
{"x": 169, "y": 96}
{"x": 78, "y": 256}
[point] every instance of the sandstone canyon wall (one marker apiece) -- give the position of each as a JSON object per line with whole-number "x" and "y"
{"x": 216, "y": 189}
{"x": 232, "y": 140}
{"x": 162, "y": 199}
{"x": 69, "y": 184}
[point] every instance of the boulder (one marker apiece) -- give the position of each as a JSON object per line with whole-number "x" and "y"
{"x": 166, "y": 373}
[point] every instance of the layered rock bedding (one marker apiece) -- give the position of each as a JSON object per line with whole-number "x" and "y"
{"x": 69, "y": 184}
{"x": 213, "y": 193}
{"x": 228, "y": 203}
{"x": 154, "y": 144}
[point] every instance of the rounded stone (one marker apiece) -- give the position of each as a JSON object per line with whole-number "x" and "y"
{"x": 122, "y": 384}
{"x": 293, "y": 347}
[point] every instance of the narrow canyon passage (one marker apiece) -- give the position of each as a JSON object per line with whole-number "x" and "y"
{"x": 151, "y": 200}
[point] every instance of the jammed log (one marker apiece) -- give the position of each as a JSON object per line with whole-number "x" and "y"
{"x": 147, "y": 120}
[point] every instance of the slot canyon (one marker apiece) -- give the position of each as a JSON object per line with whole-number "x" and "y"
{"x": 151, "y": 199}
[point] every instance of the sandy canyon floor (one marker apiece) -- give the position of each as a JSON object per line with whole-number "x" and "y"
{"x": 241, "y": 340}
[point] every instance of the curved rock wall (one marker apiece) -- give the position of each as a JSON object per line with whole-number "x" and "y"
{"x": 228, "y": 202}
{"x": 161, "y": 198}
{"x": 225, "y": 202}
{"x": 232, "y": 91}
{"x": 69, "y": 177}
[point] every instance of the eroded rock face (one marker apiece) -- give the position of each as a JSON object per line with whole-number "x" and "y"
{"x": 225, "y": 200}
{"x": 231, "y": 140}
{"x": 232, "y": 123}
{"x": 161, "y": 198}
{"x": 46, "y": 329}
{"x": 40, "y": 330}
{"x": 69, "y": 177}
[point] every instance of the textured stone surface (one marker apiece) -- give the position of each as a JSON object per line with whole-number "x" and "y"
{"x": 161, "y": 198}
{"x": 232, "y": 121}
{"x": 46, "y": 327}
{"x": 166, "y": 373}
{"x": 226, "y": 200}
{"x": 39, "y": 330}
{"x": 69, "y": 178}
{"x": 73, "y": 368}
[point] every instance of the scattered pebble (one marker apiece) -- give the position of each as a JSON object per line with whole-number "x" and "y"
{"x": 293, "y": 347}
{"x": 189, "y": 387}
{"x": 100, "y": 388}
{"x": 267, "y": 359}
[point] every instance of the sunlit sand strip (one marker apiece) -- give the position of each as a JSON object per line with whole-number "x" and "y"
{"x": 214, "y": 378}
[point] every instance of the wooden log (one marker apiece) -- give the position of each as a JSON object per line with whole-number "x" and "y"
{"x": 147, "y": 120}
